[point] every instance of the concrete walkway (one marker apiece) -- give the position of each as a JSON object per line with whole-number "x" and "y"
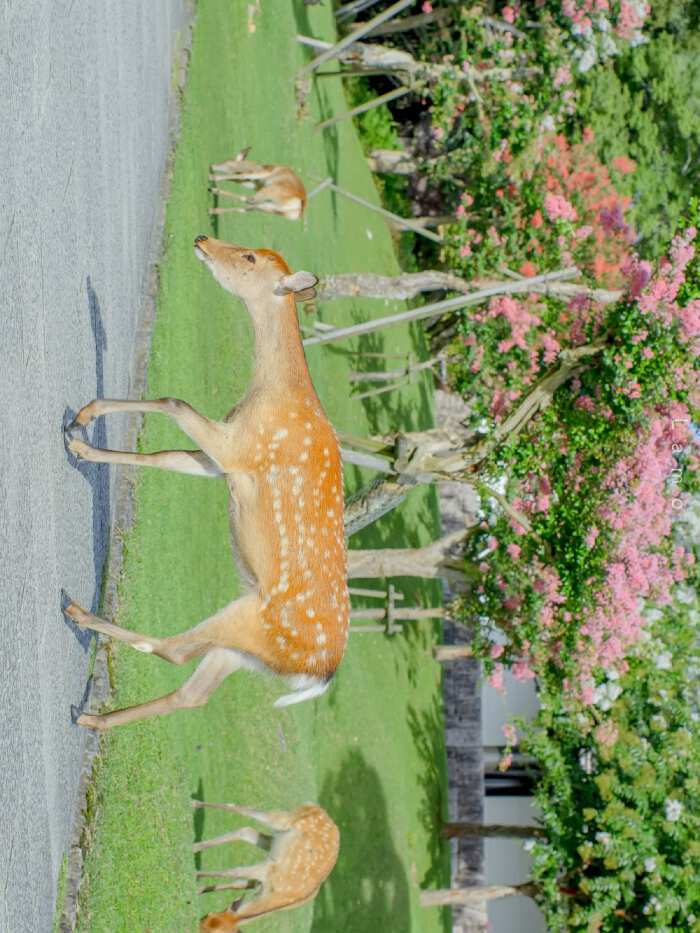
{"x": 86, "y": 98}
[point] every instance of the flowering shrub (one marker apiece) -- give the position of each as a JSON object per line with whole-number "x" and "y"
{"x": 505, "y": 91}
{"x": 593, "y": 484}
{"x": 597, "y": 24}
{"x": 619, "y": 792}
{"x": 552, "y": 180}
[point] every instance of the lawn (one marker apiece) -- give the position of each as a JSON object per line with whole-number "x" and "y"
{"x": 371, "y": 750}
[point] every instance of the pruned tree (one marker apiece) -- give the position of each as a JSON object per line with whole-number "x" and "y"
{"x": 457, "y": 453}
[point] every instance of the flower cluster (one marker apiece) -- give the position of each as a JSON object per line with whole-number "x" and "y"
{"x": 594, "y": 483}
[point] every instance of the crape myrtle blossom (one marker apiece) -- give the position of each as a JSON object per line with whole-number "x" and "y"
{"x": 556, "y": 617}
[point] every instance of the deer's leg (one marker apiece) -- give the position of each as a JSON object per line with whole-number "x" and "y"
{"x": 222, "y": 630}
{"x": 194, "y": 462}
{"x": 238, "y": 885}
{"x": 279, "y": 820}
{"x": 245, "y": 834}
{"x": 211, "y": 671}
{"x": 212, "y": 437}
{"x": 257, "y": 872}
{"x": 230, "y": 194}
{"x": 233, "y": 210}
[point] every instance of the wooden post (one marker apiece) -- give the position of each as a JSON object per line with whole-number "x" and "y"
{"x": 324, "y": 184}
{"x": 362, "y": 108}
{"x": 357, "y": 458}
{"x": 399, "y": 221}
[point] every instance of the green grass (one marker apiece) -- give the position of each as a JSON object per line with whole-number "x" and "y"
{"x": 371, "y": 751}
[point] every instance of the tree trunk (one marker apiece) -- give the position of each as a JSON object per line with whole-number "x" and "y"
{"x": 445, "y": 453}
{"x": 405, "y": 285}
{"x": 393, "y": 162}
{"x": 434, "y": 561}
{"x": 452, "y": 652}
{"x": 457, "y": 896}
{"x": 456, "y": 830}
{"x": 370, "y": 503}
{"x": 410, "y": 284}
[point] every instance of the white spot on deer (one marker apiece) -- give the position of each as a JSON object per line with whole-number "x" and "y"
{"x": 280, "y": 434}
{"x": 310, "y": 612}
{"x": 321, "y": 638}
{"x": 304, "y": 455}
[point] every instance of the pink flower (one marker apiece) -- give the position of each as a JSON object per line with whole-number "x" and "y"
{"x": 556, "y": 207}
{"x": 495, "y": 651}
{"x": 508, "y": 14}
{"x": 522, "y": 671}
{"x": 505, "y": 762}
{"x": 513, "y": 551}
{"x": 495, "y": 679}
{"x": 606, "y": 734}
{"x": 509, "y": 733}
{"x": 427, "y": 7}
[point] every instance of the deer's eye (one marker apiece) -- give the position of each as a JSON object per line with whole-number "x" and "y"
{"x": 250, "y": 257}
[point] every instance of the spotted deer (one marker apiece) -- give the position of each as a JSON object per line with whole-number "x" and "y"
{"x": 279, "y": 189}
{"x": 280, "y": 457}
{"x": 302, "y": 853}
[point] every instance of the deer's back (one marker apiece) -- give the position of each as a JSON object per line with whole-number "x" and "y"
{"x": 288, "y": 536}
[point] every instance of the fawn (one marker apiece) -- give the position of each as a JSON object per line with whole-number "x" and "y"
{"x": 280, "y": 457}
{"x": 279, "y": 189}
{"x": 303, "y": 851}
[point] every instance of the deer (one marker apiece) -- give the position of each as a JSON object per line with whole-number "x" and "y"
{"x": 280, "y": 457}
{"x": 279, "y": 190}
{"x": 302, "y": 852}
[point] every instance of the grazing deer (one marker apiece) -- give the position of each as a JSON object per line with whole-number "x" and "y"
{"x": 303, "y": 851}
{"x": 279, "y": 189}
{"x": 280, "y": 457}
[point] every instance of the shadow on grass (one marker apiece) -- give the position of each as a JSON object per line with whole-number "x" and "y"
{"x": 198, "y": 814}
{"x": 367, "y": 889}
{"x": 427, "y": 729}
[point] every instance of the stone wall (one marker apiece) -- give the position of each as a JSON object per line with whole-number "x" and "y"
{"x": 462, "y": 699}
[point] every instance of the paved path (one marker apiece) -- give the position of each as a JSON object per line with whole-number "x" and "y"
{"x": 85, "y": 107}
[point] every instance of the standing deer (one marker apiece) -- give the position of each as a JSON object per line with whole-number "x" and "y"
{"x": 280, "y": 457}
{"x": 303, "y": 851}
{"x": 279, "y": 189}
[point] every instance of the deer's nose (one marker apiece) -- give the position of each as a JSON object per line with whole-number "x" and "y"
{"x": 200, "y": 238}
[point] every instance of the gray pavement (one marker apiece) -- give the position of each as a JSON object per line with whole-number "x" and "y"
{"x": 85, "y": 108}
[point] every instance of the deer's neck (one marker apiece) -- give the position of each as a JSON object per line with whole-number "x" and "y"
{"x": 279, "y": 354}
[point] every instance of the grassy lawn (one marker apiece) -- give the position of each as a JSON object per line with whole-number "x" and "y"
{"x": 371, "y": 751}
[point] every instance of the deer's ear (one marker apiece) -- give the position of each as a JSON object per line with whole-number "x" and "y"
{"x": 301, "y": 283}
{"x": 306, "y": 294}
